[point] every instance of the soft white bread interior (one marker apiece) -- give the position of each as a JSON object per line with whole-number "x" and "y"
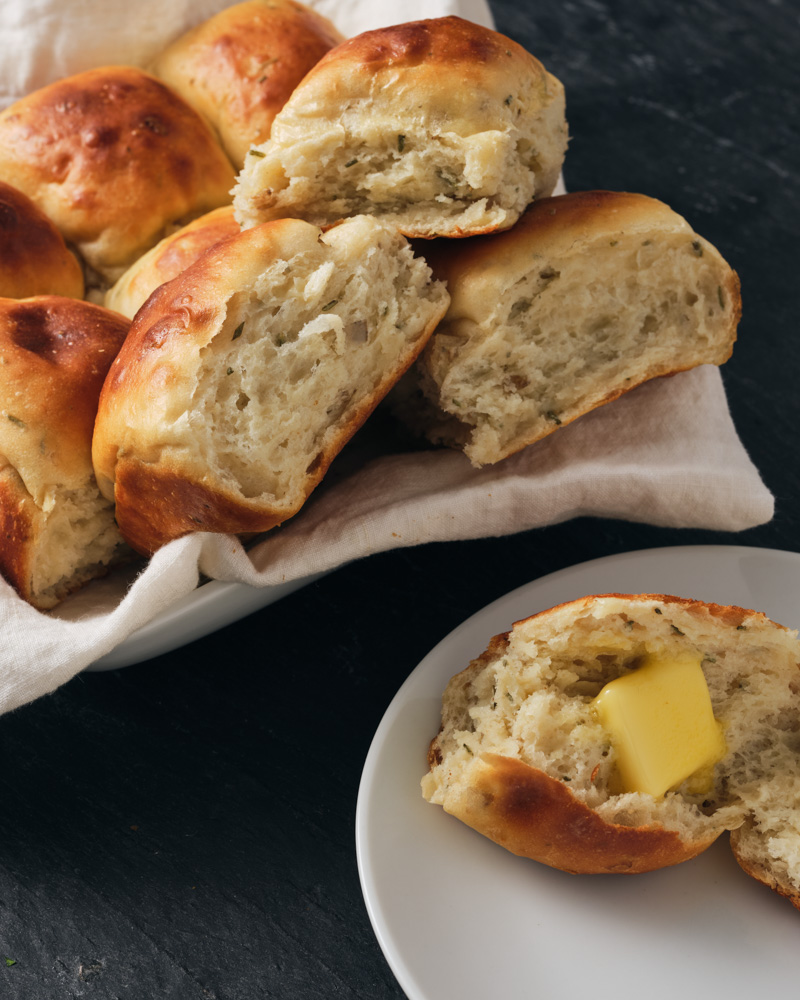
{"x": 523, "y": 758}
{"x": 57, "y": 530}
{"x": 243, "y": 377}
{"x": 239, "y": 67}
{"x": 588, "y": 296}
{"x": 439, "y": 127}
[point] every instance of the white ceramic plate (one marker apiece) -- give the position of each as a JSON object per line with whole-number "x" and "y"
{"x": 459, "y": 918}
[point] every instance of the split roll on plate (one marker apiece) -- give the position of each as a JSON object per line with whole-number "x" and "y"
{"x": 526, "y": 757}
{"x": 115, "y": 159}
{"x": 243, "y": 377}
{"x": 58, "y": 532}
{"x": 34, "y": 259}
{"x": 441, "y": 127}
{"x": 589, "y": 295}
{"x": 239, "y": 68}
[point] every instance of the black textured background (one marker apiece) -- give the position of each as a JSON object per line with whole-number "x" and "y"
{"x": 184, "y": 828}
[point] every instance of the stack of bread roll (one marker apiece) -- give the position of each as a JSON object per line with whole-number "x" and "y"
{"x": 271, "y": 312}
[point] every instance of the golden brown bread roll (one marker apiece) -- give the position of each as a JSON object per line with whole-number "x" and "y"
{"x": 441, "y": 127}
{"x": 34, "y": 260}
{"x": 524, "y": 757}
{"x": 243, "y": 377}
{"x": 115, "y": 159}
{"x": 589, "y": 295}
{"x": 239, "y": 67}
{"x": 168, "y": 258}
{"x": 57, "y": 531}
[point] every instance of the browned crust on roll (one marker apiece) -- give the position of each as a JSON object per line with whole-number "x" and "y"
{"x": 17, "y": 532}
{"x": 727, "y": 614}
{"x": 113, "y": 157}
{"x": 443, "y": 42}
{"x": 34, "y": 259}
{"x": 536, "y": 816}
{"x": 56, "y": 351}
{"x": 758, "y": 869}
{"x": 155, "y": 504}
{"x": 570, "y": 237}
{"x": 479, "y": 116}
{"x": 169, "y": 258}
{"x": 556, "y": 224}
{"x": 161, "y": 481}
{"x": 239, "y": 67}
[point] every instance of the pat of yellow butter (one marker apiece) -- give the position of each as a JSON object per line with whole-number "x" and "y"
{"x": 661, "y": 723}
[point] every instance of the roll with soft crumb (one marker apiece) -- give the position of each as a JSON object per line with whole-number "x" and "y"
{"x": 34, "y": 259}
{"x": 524, "y": 758}
{"x": 243, "y": 377}
{"x": 115, "y": 159}
{"x": 168, "y": 258}
{"x": 589, "y": 295}
{"x": 56, "y": 530}
{"x": 439, "y": 127}
{"x": 239, "y": 67}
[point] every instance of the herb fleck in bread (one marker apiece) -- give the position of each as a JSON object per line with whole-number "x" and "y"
{"x": 439, "y": 127}
{"x": 523, "y": 759}
{"x": 243, "y": 377}
{"x": 589, "y": 295}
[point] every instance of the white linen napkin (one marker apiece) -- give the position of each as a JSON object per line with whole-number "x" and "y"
{"x": 45, "y": 40}
{"x": 666, "y": 453}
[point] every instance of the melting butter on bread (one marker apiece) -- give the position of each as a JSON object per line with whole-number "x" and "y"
{"x": 523, "y": 755}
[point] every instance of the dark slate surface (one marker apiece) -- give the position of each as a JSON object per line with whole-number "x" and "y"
{"x": 184, "y": 828}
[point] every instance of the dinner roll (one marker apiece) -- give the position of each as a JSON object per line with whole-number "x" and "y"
{"x": 587, "y": 296}
{"x": 239, "y": 68}
{"x": 57, "y": 530}
{"x": 243, "y": 377}
{"x": 34, "y": 260}
{"x": 115, "y": 159}
{"x": 168, "y": 258}
{"x": 524, "y": 758}
{"x": 440, "y": 127}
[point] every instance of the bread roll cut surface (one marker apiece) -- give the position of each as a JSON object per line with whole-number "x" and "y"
{"x": 168, "y": 258}
{"x": 243, "y": 377}
{"x": 588, "y": 296}
{"x": 115, "y": 158}
{"x": 239, "y": 68}
{"x": 58, "y": 531}
{"x": 523, "y": 758}
{"x": 439, "y": 126}
{"x": 34, "y": 259}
